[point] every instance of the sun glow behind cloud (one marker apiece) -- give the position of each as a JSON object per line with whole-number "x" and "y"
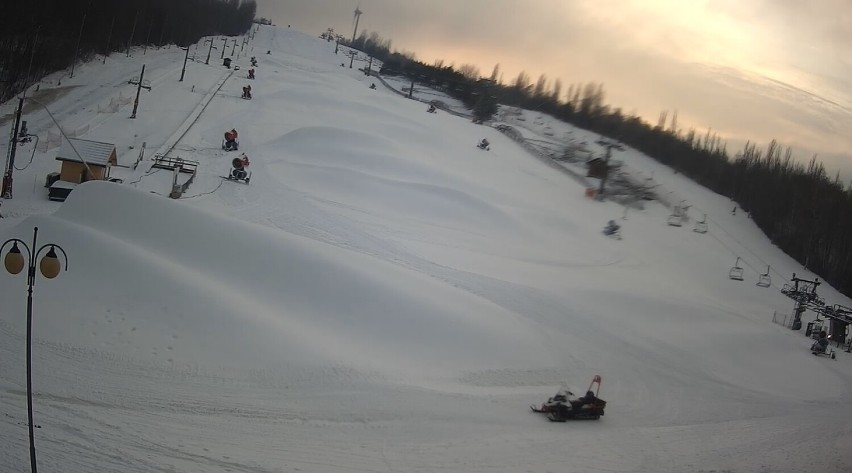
{"x": 691, "y": 31}
{"x": 762, "y": 69}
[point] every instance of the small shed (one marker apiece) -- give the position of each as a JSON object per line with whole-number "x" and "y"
{"x": 97, "y": 155}
{"x": 97, "y": 158}
{"x": 597, "y": 168}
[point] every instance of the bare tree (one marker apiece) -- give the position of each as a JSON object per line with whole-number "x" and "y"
{"x": 540, "y": 87}
{"x": 522, "y": 82}
{"x": 469, "y": 71}
{"x": 557, "y": 90}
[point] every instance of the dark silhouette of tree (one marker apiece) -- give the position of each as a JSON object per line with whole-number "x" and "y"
{"x": 43, "y": 37}
{"x": 485, "y": 105}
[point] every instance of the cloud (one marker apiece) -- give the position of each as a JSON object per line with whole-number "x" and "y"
{"x": 753, "y": 70}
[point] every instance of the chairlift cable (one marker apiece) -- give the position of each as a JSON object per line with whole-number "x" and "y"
{"x": 744, "y": 247}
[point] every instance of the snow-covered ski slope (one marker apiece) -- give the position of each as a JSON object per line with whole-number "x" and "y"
{"x": 383, "y": 296}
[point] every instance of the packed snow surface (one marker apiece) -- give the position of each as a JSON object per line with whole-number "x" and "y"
{"x": 383, "y": 296}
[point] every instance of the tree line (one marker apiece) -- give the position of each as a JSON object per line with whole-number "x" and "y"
{"x": 44, "y": 36}
{"x": 799, "y": 207}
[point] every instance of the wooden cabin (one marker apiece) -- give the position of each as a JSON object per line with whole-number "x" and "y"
{"x": 597, "y": 168}
{"x": 82, "y": 160}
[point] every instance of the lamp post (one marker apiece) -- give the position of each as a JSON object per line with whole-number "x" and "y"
{"x": 49, "y": 267}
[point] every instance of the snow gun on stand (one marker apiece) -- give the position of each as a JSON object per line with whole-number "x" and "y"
{"x": 239, "y": 172}
{"x": 230, "y": 142}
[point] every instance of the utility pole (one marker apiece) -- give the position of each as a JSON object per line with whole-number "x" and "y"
{"x": 132, "y": 32}
{"x": 183, "y": 71}
{"x": 32, "y": 56}
{"x": 224, "y": 46}
{"x": 163, "y": 32}
{"x": 138, "y": 91}
{"x": 10, "y": 160}
{"x": 234, "y": 50}
{"x": 79, "y": 37}
{"x": 109, "y": 37}
{"x": 148, "y": 37}
{"x": 209, "y": 51}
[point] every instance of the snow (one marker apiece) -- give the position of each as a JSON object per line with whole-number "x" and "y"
{"x": 384, "y": 296}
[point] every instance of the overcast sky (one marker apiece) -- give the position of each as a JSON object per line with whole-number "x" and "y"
{"x": 750, "y": 70}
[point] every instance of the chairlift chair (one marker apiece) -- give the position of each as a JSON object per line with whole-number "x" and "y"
{"x": 736, "y": 273}
{"x": 675, "y": 220}
{"x": 701, "y": 227}
{"x": 764, "y": 280}
{"x": 677, "y": 217}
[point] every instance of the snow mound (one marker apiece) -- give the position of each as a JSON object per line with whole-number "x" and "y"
{"x": 249, "y": 294}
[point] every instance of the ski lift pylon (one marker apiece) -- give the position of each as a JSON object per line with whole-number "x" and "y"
{"x": 764, "y": 280}
{"x": 736, "y": 272}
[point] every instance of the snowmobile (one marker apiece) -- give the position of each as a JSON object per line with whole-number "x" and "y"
{"x": 239, "y": 172}
{"x": 821, "y": 348}
{"x": 612, "y": 230}
{"x": 564, "y": 405}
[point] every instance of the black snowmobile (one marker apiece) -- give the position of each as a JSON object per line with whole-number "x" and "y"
{"x": 564, "y": 405}
{"x": 821, "y": 347}
{"x": 612, "y": 230}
